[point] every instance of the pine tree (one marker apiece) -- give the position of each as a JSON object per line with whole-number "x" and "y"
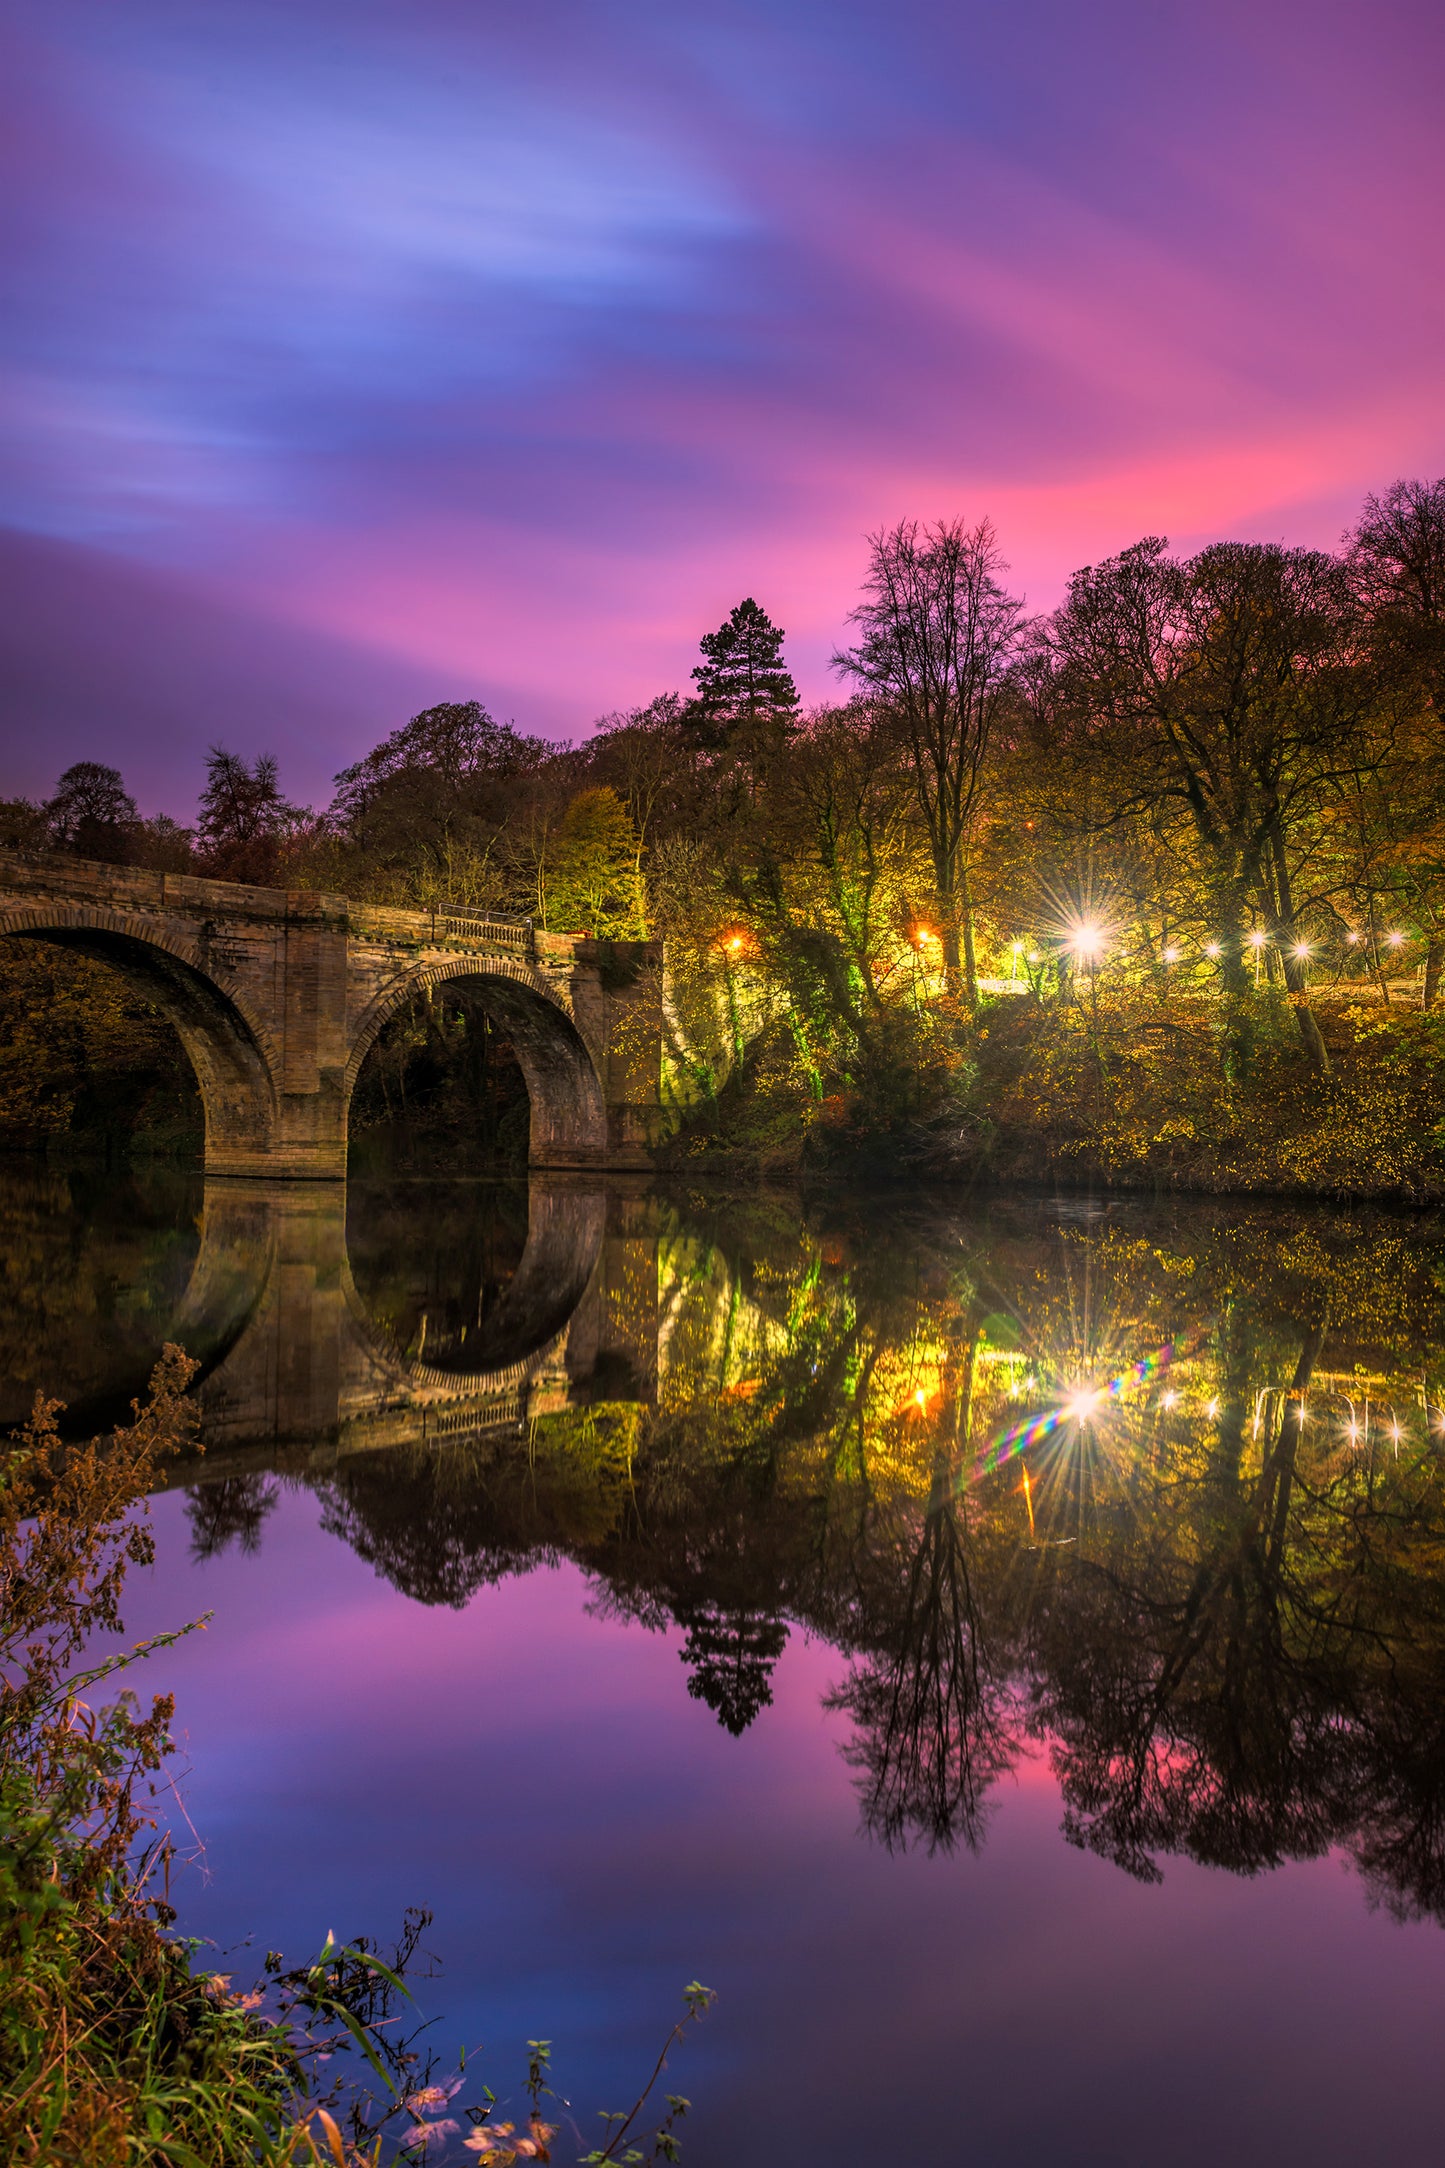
{"x": 745, "y": 695}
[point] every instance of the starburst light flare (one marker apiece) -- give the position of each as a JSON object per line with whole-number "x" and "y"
{"x": 1081, "y": 1402}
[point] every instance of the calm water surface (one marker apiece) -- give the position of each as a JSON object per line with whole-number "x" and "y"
{"x": 1000, "y": 1648}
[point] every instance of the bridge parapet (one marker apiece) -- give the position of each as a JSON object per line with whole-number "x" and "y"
{"x": 25, "y": 875}
{"x": 431, "y": 929}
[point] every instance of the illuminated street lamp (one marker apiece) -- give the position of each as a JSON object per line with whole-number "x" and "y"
{"x": 1212, "y": 948}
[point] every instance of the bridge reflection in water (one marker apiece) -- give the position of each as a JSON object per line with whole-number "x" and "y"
{"x": 307, "y": 1371}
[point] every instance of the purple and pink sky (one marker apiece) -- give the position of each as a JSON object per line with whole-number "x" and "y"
{"x": 359, "y": 354}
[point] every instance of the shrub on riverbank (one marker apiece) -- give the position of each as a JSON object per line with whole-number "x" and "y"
{"x": 1123, "y": 1090}
{"x": 1127, "y": 1091}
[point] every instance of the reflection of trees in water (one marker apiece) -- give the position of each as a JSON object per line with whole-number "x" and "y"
{"x": 929, "y": 1735}
{"x": 1228, "y": 1627}
{"x": 231, "y": 1511}
{"x": 1185, "y": 1675}
{"x": 730, "y": 1657}
{"x": 1261, "y": 1680}
{"x": 438, "y": 1526}
{"x": 92, "y": 1272}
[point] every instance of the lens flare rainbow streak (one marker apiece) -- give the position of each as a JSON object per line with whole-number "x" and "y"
{"x": 1079, "y": 1404}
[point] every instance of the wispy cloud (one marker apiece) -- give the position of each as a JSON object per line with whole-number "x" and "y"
{"x": 425, "y": 330}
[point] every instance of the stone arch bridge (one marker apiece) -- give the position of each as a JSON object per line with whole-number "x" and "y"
{"x": 278, "y": 994}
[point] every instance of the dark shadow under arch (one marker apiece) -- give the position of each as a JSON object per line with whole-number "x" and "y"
{"x": 299, "y": 1353}
{"x": 237, "y": 1094}
{"x": 568, "y": 1122}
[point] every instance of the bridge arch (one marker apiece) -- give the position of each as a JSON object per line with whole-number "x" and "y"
{"x": 564, "y": 1090}
{"x": 234, "y": 1067}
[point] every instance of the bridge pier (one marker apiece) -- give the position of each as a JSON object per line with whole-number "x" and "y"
{"x": 278, "y": 995}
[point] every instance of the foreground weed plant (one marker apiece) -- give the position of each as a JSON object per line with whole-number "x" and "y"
{"x": 112, "y": 2048}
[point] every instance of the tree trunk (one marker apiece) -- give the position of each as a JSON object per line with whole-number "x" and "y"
{"x": 952, "y": 955}
{"x": 1278, "y": 1471}
{"x": 945, "y": 881}
{"x": 970, "y": 964}
{"x": 1239, "y": 1014}
{"x": 1296, "y": 984}
{"x": 1434, "y": 958}
{"x": 1311, "y": 1038}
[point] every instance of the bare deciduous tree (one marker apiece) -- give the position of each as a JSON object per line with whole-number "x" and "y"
{"x": 938, "y": 635}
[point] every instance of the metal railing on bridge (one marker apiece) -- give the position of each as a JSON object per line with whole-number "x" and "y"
{"x": 499, "y": 1411}
{"x": 382, "y": 922}
{"x": 515, "y": 933}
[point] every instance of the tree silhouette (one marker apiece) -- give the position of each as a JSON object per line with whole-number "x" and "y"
{"x": 92, "y": 813}
{"x": 730, "y": 1655}
{"x": 931, "y": 1738}
{"x": 242, "y": 817}
{"x": 233, "y": 1510}
{"x": 745, "y": 695}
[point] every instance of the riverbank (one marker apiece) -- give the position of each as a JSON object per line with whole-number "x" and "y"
{"x": 1114, "y": 1087}
{"x": 1115, "y": 1094}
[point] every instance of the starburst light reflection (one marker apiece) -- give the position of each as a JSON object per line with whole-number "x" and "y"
{"x": 1079, "y": 1404}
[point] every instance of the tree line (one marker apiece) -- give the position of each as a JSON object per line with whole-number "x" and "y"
{"x": 1208, "y": 787}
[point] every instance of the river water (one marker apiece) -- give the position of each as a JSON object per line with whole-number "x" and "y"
{"x": 998, "y": 1646}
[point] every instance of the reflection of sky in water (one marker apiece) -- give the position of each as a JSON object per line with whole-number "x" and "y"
{"x": 795, "y": 1444}
{"x": 590, "y": 1839}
